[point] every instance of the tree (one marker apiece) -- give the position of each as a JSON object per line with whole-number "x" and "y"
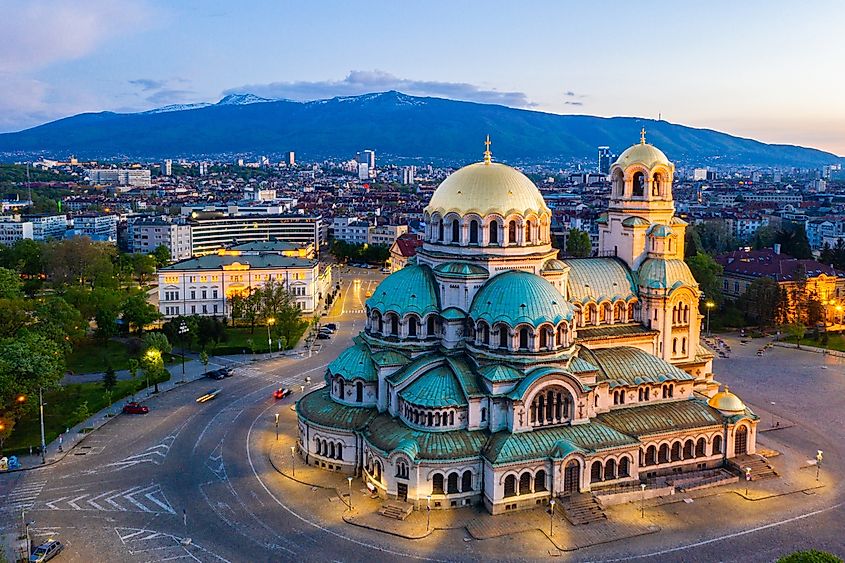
{"x": 796, "y": 331}
{"x": 133, "y": 373}
{"x": 144, "y": 266}
{"x": 707, "y": 273}
{"x": 715, "y": 237}
{"x": 10, "y": 284}
{"x": 109, "y": 379}
{"x": 761, "y": 301}
{"x": 28, "y": 362}
{"x": 810, "y": 556}
{"x": 152, "y": 361}
{"x": 56, "y": 319}
{"x": 765, "y": 237}
{"x": 107, "y": 304}
{"x": 157, "y": 341}
{"x": 162, "y": 256}
{"x": 204, "y": 360}
{"x": 138, "y": 312}
{"x": 81, "y": 412}
{"x": 578, "y": 244}
{"x": 793, "y": 241}
{"x": 80, "y": 261}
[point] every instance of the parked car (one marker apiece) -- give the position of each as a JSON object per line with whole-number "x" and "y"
{"x": 332, "y": 326}
{"x": 212, "y": 394}
{"x": 135, "y": 408}
{"x": 220, "y": 373}
{"x": 323, "y": 336}
{"x": 46, "y": 551}
{"x": 327, "y": 330}
{"x": 281, "y": 393}
{"x": 385, "y": 270}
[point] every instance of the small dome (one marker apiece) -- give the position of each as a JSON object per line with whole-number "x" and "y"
{"x": 461, "y": 269}
{"x": 486, "y": 188}
{"x": 659, "y": 231}
{"x": 726, "y": 402}
{"x": 516, "y": 297}
{"x": 657, "y": 273}
{"x": 642, "y": 153}
{"x": 409, "y": 290}
{"x": 354, "y": 363}
{"x": 554, "y": 265}
{"x": 437, "y": 388}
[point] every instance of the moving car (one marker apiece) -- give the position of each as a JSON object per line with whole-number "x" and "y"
{"x": 281, "y": 393}
{"x": 135, "y": 408}
{"x": 46, "y": 551}
{"x": 208, "y": 396}
{"x": 220, "y": 373}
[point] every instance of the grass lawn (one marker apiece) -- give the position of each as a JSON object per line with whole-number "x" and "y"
{"x": 238, "y": 337}
{"x": 60, "y": 411}
{"x": 91, "y": 356}
{"x": 835, "y": 341}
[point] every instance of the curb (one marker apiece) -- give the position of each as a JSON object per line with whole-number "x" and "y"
{"x": 349, "y": 520}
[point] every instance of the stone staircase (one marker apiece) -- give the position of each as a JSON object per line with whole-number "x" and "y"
{"x": 580, "y": 508}
{"x": 760, "y": 467}
{"x": 692, "y": 481}
{"x": 396, "y": 509}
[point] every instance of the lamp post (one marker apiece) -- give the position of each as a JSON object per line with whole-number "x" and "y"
{"x": 293, "y": 461}
{"x": 41, "y": 410}
{"x": 552, "y": 518}
{"x": 773, "y": 414}
{"x": 428, "y": 513}
{"x": 819, "y": 457}
{"x": 709, "y": 305}
{"x": 183, "y": 330}
{"x": 642, "y": 500}
{"x": 747, "y": 479}
{"x": 270, "y": 322}
{"x": 349, "y": 480}
{"x": 277, "y": 426}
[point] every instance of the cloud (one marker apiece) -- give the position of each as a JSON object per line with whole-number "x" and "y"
{"x": 148, "y": 83}
{"x": 171, "y": 96}
{"x": 573, "y": 103}
{"x": 165, "y": 91}
{"x": 365, "y": 81}
{"x": 569, "y": 93}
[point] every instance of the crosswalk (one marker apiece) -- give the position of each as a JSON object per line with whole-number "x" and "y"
{"x": 353, "y": 311}
{"x": 22, "y": 497}
{"x": 154, "y": 454}
{"x": 148, "y": 499}
{"x": 159, "y": 546}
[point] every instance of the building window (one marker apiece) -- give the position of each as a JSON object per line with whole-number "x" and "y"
{"x": 452, "y": 484}
{"x": 437, "y": 484}
{"x": 510, "y": 486}
{"x": 540, "y": 481}
{"x": 473, "y": 232}
{"x": 512, "y": 232}
{"x": 494, "y": 232}
{"x": 456, "y": 231}
{"x": 639, "y": 185}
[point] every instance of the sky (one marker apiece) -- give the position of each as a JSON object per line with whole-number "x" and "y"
{"x": 764, "y": 69}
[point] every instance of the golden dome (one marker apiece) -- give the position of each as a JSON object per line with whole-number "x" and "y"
{"x": 643, "y": 153}
{"x": 485, "y": 188}
{"x": 726, "y": 402}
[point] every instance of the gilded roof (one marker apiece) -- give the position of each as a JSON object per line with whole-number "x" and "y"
{"x": 461, "y": 269}
{"x": 658, "y": 418}
{"x": 727, "y": 402}
{"x": 487, "y": 188}
{"x": 626, "y": 365}
{"x": 597, "y": 279}
{"x": 516, "y": 297}
{"x": 657, "y": 273}
{"x": 354, "y": 363}
{"x": 505, "y": 447}
{"x": 436, "y": 388}
{"x": 642, "y": 153}
{"x": 409, "y": 290}
{"x": 319, "y": 408}
{"x": 386, "y": 434}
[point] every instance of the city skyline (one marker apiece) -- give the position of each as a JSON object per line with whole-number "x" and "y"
{"x": 744, "y": 70}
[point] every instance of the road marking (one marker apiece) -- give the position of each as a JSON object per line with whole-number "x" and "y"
{"x": 152, "y": 494}
{"x": 73, "y": 502}
{"x": 160, "y": 545}
{"x": 22, "y": 497}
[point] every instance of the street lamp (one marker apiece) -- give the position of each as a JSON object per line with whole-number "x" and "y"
{"x": 277, "y": 426}
{"x": 709, "y": 305}
{"x": 747, "y": 479}
{"x": 349, "y": 480}
{"x": 428, "y": 513}
{"x": 183, "y": 330}
{"x": 552, "y": 518}
{"x": 270, "y": 322}
{"x": 293, "y": 460}
{"x": 819, "y": 457}
{"x": 642, "y": 500}
{"x": 22, "y": 399}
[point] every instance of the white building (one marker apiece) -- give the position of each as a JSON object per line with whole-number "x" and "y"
{"x": 167, "y": 167}
{"x": 147, "y": 234}
{"x": 136, "y": 177}
{"x": 96, "y": 227}
{"x": 45, "y": 227}
{"x": 205, "y": 285}
{"x": 363, "y": 171}
{"x": 350, "y": 229}
{"x": 290, "y": 158}
{"x": 12, "y": 231}
{"x": 409, "y": 175}
{"x": 211, "y": 233}
{"x": 386, "y": 234}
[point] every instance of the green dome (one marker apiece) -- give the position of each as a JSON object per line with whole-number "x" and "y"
{"x": 659, "y": 231}
{"x": 656, "y": 273}
{"x": 409, "y": 290}
{"x": 461, "y": 269}
{"x": 516, "y": 297}
{"x": 554, "y": 265}
{"x": 434, "y": 389}
{"x": 635, "y": 221}
{"x": 354, "y": 363}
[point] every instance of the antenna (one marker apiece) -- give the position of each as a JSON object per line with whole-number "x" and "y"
{"x": 28, "y": 186}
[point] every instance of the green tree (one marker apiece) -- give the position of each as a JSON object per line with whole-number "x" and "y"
{"x": 578, "y": 244}
{"x": 715, "y": 237}
{"x": 792, "y": 238}
{"x": 761, "y": 301}
{"x": 10, "y": 284}
{"x": 107, "y": 304}
{"x": 133, "y": 366}
{"x": 80, "y": 261}
{"x": 707, "y": 272}
{"x": 765, "y": 237}
{"x": 143, "y": 267}
{"x": 138, "y": 312}
{"x": 81, "y": 413}
{"x": 810, "y": 556}
{"x": 796, "y": 331}
{"x": 162, "y": 256}
{"x": 109, "y": 379}
{"x": 204, "y": 360}
{"x": 56, "y": 319}
{"x": 14, "y": 316}
{"x": 157, "y": 341}
{"x": 28, "y": 362}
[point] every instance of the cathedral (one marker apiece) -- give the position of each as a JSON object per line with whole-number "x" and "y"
{"x": 491, "y": 371}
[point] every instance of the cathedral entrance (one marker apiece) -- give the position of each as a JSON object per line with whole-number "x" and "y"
{"x": 741, "y": 441}
{"x": 402, "y": 492}
{"x": 571, "y": 478}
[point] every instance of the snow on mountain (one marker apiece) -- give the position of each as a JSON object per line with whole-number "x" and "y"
{"x": 178, "y": 107}
{"x": 243, "y": 100}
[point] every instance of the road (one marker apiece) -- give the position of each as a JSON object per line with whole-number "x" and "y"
{"x": 143, "y": 483}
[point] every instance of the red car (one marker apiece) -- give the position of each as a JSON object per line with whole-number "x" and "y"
{"x": 281, "y": 393}
{"x": 135, "y": 408}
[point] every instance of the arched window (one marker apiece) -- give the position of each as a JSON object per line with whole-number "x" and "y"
{"x": 512, "y": 232}
{"x": 618, "y": 182}
{"x": 663, "y": 454}
{"x": 689, "y": 449}
{"x": 494, "y": 232}
{"x": 553, "y": 405}
{"x": 331, "y": 450}
{"x": 639, "y": 184}
{"x": 676, "y": 451}
{"x": 430, "y": 326}
{"x": 340, "y": 388}
{"x": 595, "y": 472}
{"x": 339, "y": 452}
{"x": 525, "y": 483}
{"x": 523, "y": 338}
{"x": 684, "y": 345}
{"x": 717, "y": 445}
{"x": 430, "y": 419}
{"x": 451, "y": 418}
{"x": 624, "y": 467}
{"x": 402, "y": 470}
{"x": 741, "y": 441}
{"x": 473, "y": 232}
{"x": 377, "y": 470}
{"x": 359, "y": 392}
{"x": 540, "y": 481}
{"x": 510, "y": 486}
{"x": 412, "y": 326}
{"x": 440, "y": 230}
{"x": 452, "y": 485}
{"x": 655, "y": 184}
{"x": 610, "y": 470}
{"x": 651, "y": 455}
{"x": 483, "y": 414}
{"x": 701, "y": 448}
{"x": 466, "y": 481}
{"x": 503, "y": 336}
{"x": 437, "y": 484}
{"x": 640, "y": 394}
{"x": 528, "y": 231}
{"x": 456, "y": 231}
{"x": 674, "y": 345}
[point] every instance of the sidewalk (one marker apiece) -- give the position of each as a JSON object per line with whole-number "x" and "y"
{"x": 194, "y": 370}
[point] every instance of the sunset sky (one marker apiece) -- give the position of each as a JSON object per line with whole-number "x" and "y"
{"x": 769, "y": 70}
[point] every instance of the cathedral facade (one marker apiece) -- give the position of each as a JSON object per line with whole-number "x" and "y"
{"x": 491, "y": 371}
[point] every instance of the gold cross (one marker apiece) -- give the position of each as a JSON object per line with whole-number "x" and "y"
{"x": 487, "y": 154}
{"x": 642, "y": 136}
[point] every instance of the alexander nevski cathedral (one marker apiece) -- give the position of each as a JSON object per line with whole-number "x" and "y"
{"x": 491, "y": 371}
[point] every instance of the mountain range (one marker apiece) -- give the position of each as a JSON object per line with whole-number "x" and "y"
{"x": 398, "y": 126}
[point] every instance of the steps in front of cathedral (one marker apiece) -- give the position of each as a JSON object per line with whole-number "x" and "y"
{"x": 581, "y": 509}
{"x": 693, "y": 481}
{"x": 760, "y": 467}
{"x": 395, "y": 509}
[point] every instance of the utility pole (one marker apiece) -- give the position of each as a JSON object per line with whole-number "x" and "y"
{"x": 43, "y": 442}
